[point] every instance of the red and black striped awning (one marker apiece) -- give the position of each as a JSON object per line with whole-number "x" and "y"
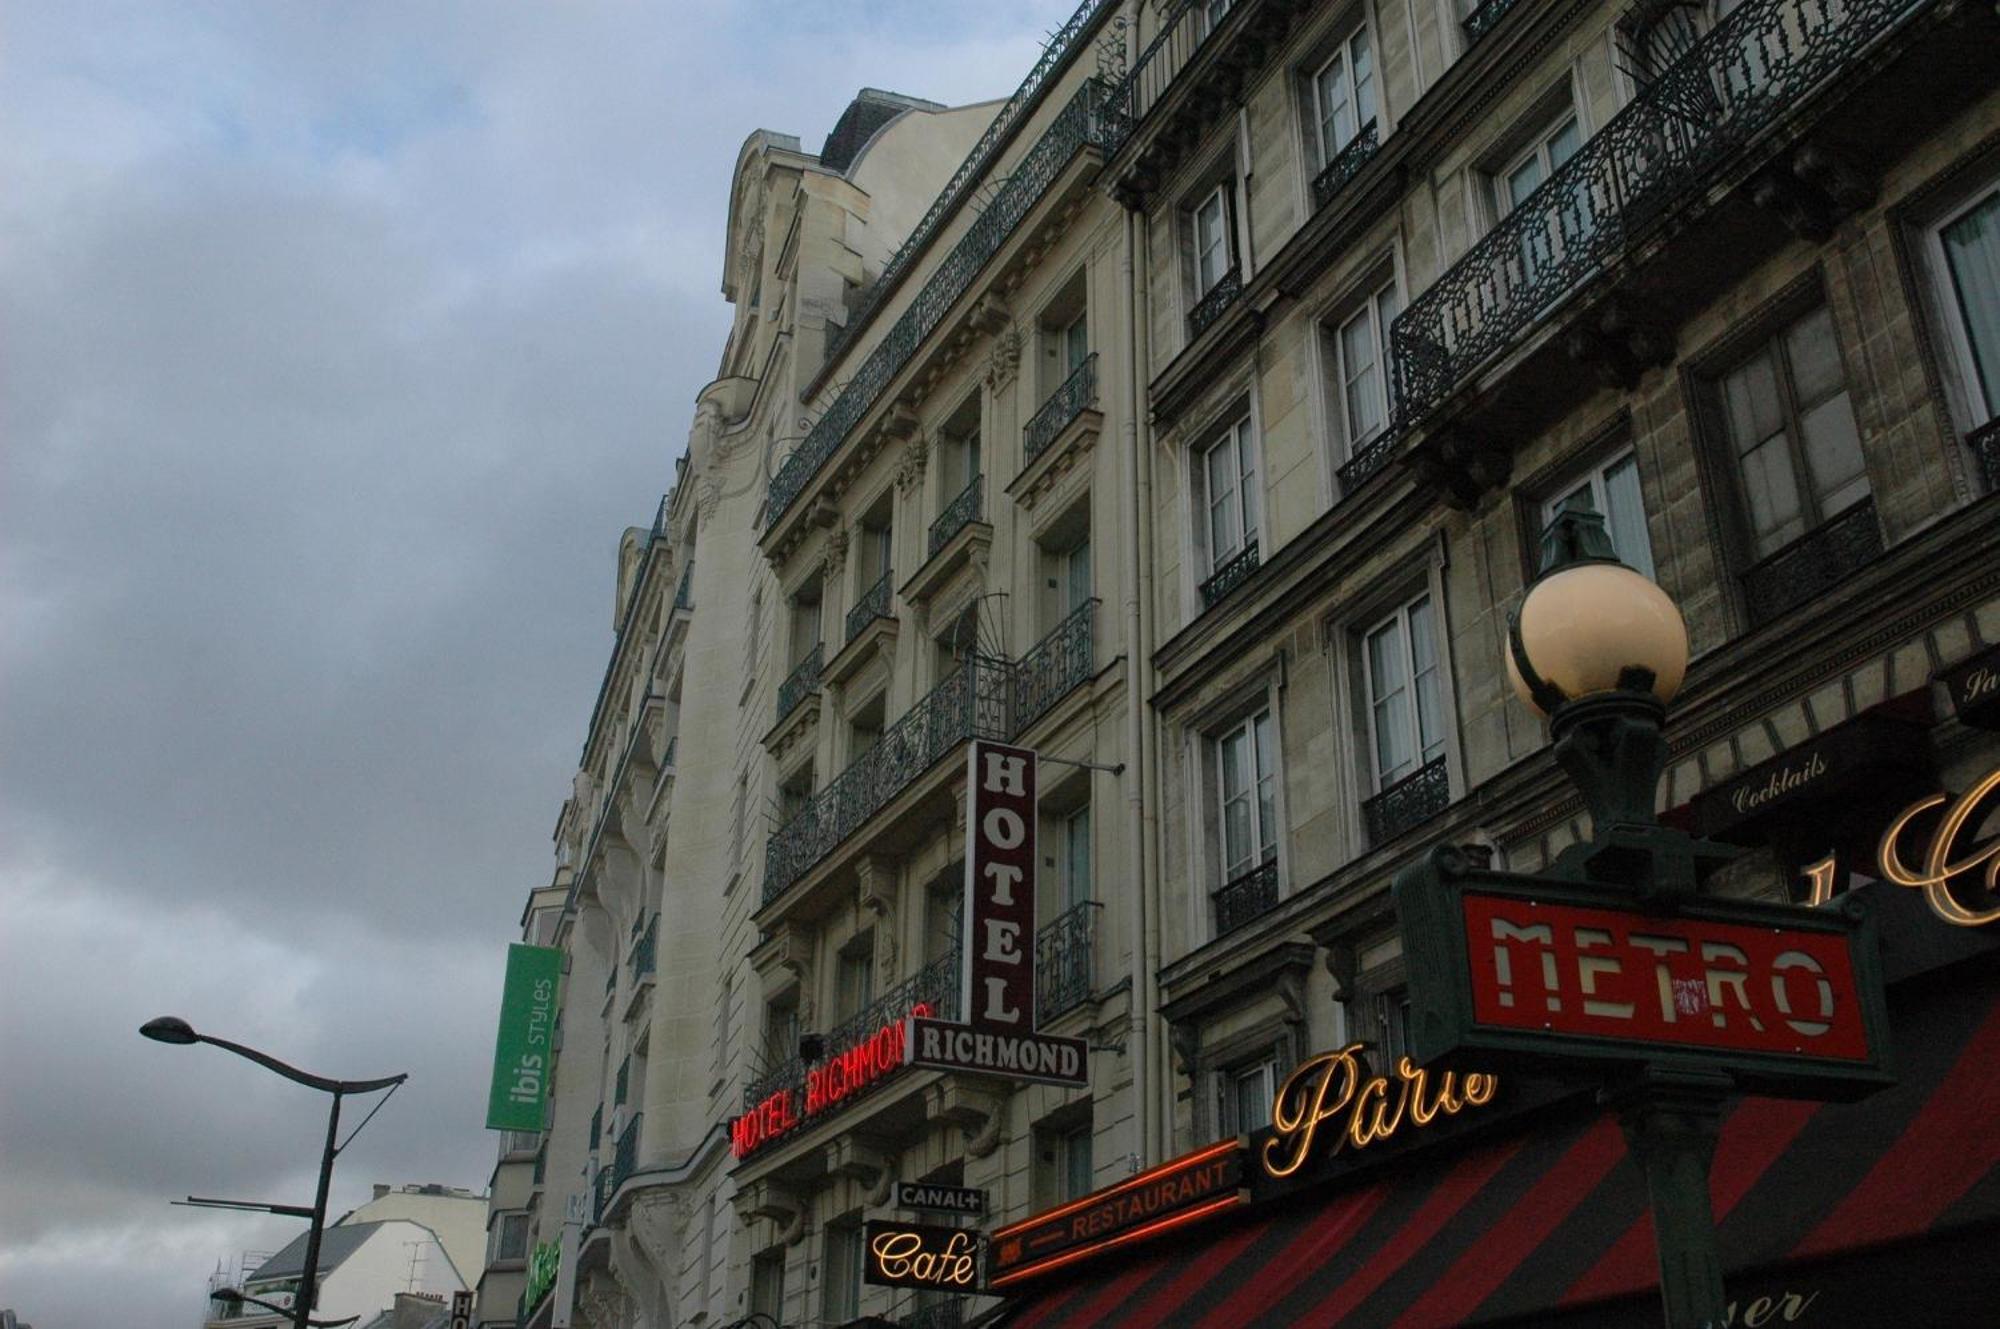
{"x": 1878, "y": 1212}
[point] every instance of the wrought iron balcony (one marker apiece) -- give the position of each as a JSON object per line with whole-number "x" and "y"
{"x": 872, "y": 604}
{"x": 627, "y": 1158}
{"x": 602, "y": 1189}
{"x": 1077, "y": 394}
{"x": 801, "y": 682}
{"x": 646, "y": 954}
{"x": 684, "y": 593}
{"x": 1184, "y": 28}
{"x": 935, "y": 987}
{"x": 624, "y": 1083}
{"x": 1485, "y": 17}
{"x": 1655, "y": 156}
{"x": 972, "y": 702}
{"x": 940, "y": 1315}
{"x": 1408, "y": 803}
{"x": 1080, "y": 124}
{"x": 1814, "y": 563}
{"x": 1984, "y": 443}
{"x": 1065, "y": 955}
{"x": 1246, "y": 898}
{"x": 958, "y": 514}
{"x": 1235, "y": 570}
{"x": 1373, "y": 456}
{"x": 1227, "y": 290}
{"x": 1345, "y": 164}
{"x": 1054, "y": 665}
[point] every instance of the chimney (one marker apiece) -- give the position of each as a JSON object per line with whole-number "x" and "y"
{"x": 380, "y": 1190}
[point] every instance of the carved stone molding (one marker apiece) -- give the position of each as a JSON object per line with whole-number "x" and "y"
{"x": 911, "y": 465}
{"x": 1004, "y": 361}
{"x": 836, "y": 551}
{"x": 1619, "y": 341}
{"x": 1186, "y": 1040}
{"x": 848, "y": 1155}
{"x": 768, "y": 1199}
{"x": 990, "y": 314}
{"x": 1812, "y": 192}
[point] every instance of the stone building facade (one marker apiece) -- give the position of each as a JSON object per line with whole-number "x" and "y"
{"x": 1198, "y": 432}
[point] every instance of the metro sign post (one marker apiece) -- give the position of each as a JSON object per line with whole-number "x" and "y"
{"x": 997, "y": 982}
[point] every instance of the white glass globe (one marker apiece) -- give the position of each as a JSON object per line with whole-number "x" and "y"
{"x": 1584, "y": 627}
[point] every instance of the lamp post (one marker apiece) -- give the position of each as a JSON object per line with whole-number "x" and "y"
{"x": 171, "y": 1029}
{"x": 239, "y": 1297}
{"x": 1599, "y": 650}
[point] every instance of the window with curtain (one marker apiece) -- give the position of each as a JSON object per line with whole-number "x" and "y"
{"x": 1967, "y": 255}
{"x": 1343, "y": 95}
{"x": 1611, "y": 490}
{"x": 1246, "y": 786}
{"x": 1405, "y": 694}
{"x": 1244, "y": 1094}
{"x": 1547, "y": 148}
{"x": 841, "y": 1277}
{"x": 1212, "y": 243}
{"x": 1361, "y": 367}
{"x": 1792, "y": 434}
{"x": 1229, "y": 479}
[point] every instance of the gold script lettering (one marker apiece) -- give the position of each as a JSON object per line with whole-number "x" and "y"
{"x": 902, "y": 1255}
{"x": 1332, "y": 1083}
{"x": 1934, "y": 877}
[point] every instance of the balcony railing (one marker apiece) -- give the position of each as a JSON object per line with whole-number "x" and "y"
{"x": 1076, "y": 394}
{"x": 627, "y": 1158}
{"x": 985, "y": 697}
{"x": 1485, "y": 17}
{"x": 1080, "y": 124}
{"x": 1660, "y": 152}
{"x": 1235, "y": 570}
{"x": 1408, "y": 803}
{"x": 1373, "y": 456}
{"x": 1984, "y": 444}
{"x": 602, "y": 1189}
{"x": 934, "y": 986}
{"x": 972, "y": 702}
{"x": 646, "y": 954}
{"x": 624, "y": 1084}
{"x": 958, "y": 514}
{"x": 1065, "y": 955}
{"x": 801, "y": 682}
{"x": 1345, "y": 164}
{"x": 684, "y": 593}
{"x": 1814, "y": 563}
{"x": 1227, "y": 289}
{"x": 1184, "y": 27}
{"x": 941, "y": 1315}
{"x": 1054, "y": 665}
{"x": 873, "y": 604}
{"x": 1248, "y": 897}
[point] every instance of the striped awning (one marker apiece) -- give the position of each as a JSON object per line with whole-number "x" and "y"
{"x": 1883, "y": 1211}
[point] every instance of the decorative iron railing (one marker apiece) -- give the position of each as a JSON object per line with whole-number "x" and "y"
{"x": 646, "y": 954}
{"x": 872, "y": 604}
{"x": 1657, "y": 154}
{"x": 1485, "y": 17}
{"x": 939, "y": 1315}
{"x": 1814, "y": 563}
{"x": 1245, "y": 898}
{"x": 801, "y": 682}
{"x": 1080, "y": 124}
{"x": 971, "y": 702}
{"x": 958, "y": 514}
{"x": 684, "y": 593}
{"x": 1076, "y": 394}
{"x": 1184, "y": 27}
{"x": 1345, "y": 164}
{"x": 1235, "y": 570}
{"x": 602, "y": 1189}
{"x": 673, "y": 747}
{"x": 965, "y": 179}
{"x": 1373, "y": 456}
{"x": 1054, "y": 665}
{"x": 1065, "y": 954}
{"x": 627, "y": 1158}
{"x": 1227, "y": 290}
{"x": 1408, "y": 803}
{"x": 935, "y": 987}
{"x": 624, "y": 1082}
{"x": 1984, "y": 444}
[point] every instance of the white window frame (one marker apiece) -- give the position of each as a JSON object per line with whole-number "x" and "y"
{"x": 841, "y": 1275}
{"x": 1228, "y": 1108}
{"x": 1212, "y": 14}
{"x": 501, "y": 1220}
{"x": 1076, "y": 845}
{"x": 1538, "y": 151}
{"x": 1344, "y": 56}
{"x": 1969, "y": 393}
{"x": 1398, "y": 620}
{"x": 1067, "y": 1149}
{"x": 1246, "y": 501}
{"x": 1223, "y": 197}
{"x": 1600, "y": 502}
{"x": 1263, "y": 847}
{"x": 1378, "y": 309}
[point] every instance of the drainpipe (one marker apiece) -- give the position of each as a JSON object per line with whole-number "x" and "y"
{"x": 1140, "y": 1041}
{"x": 1157, "y": 1061}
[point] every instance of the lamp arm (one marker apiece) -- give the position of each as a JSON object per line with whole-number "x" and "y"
{"x": 307, "y": 1078}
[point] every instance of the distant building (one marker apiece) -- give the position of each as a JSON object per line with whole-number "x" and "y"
{"x": 363, "y": 1266}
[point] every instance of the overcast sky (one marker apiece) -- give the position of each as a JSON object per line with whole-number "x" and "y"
{"x": 338, "y": 343}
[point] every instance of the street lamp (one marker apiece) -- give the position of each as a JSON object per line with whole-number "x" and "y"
{"x": 172, "y": 1029}
{"x": 239, "y": 1297}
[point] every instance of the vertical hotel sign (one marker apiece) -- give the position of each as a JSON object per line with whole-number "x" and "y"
{"x": 526, "y": 1042}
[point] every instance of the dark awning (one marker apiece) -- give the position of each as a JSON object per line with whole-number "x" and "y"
{"x": 1865, "y": 1207}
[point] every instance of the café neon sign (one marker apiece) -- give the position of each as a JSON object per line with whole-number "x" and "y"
{"x": 1934, "y": 875}
{"x": 1334, "y": 1087}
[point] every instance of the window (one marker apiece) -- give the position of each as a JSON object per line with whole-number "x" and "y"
{"x": 1076, "y": 858}
{"x": 944, "y": 903}
{"x": 1405, "y": 703}
{"x": 1229, "y": 479}
{"x": 1212, "y": 241}
{"x": 795, "y": 794}
{"x": 1965, "y": 255}
{"x": 781, "y": 1032}
{"x": 1343, "y": 96}
{"x": 1542, "y": 240}
{"x": 1392, "y": 1028}
{"x": 1212, "y": 12}
{"x": 1246, "y": 773}
{"x": 1064, "y": 1168}
{"x": 854, "y": 977}
{"x": 805, "y": 621}
{"x": 510, "y": 1238}
{"x": 840, "y": 1293}
{"x": 959, "y": 453}
{"x": 1073, "y": 345}
{"x": 1361, "y": 367}
{"x": 519, "y": 1142}
{"x": 1792, "y": 433}
{"x": 1077, "y": 1170}
{"x": 767, "y": 1285}
{"x": 1612, "y": 491}
{"x": 1244, "y": 1096}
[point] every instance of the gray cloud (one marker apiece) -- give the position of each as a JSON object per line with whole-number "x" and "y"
{"x": 339, "y": 345}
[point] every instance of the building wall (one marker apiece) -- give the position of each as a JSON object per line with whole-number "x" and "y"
{"x": 458, "y": 1217}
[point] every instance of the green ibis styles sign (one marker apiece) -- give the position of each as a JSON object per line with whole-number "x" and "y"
{"x": 522, "y": 1053}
